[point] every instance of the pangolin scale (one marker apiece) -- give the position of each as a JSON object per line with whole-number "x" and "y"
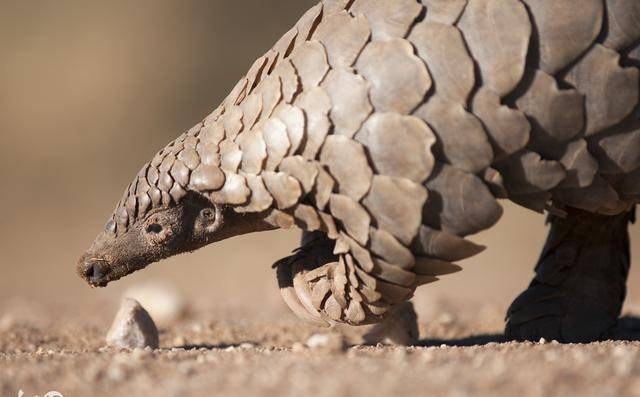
{"x": 388, "y": 130}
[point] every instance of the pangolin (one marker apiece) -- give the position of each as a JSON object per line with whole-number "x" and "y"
{"x": 387, "y": 130}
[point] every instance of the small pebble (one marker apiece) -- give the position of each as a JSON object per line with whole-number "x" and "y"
{"x": 132, "y": 328}
{"x": 331, "y": 343}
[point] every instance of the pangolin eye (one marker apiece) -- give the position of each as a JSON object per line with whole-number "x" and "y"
{"x": 154, "y": 228}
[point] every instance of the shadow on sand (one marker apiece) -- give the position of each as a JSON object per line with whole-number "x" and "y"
{"x": 476, "y": 340}
{"x": 628, "y": 329}
{"x": 208, "y": 346}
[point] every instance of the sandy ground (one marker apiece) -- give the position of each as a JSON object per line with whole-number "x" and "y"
{"x": 232, "y": 353}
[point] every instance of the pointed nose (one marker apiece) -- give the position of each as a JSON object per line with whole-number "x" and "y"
{"x": 94, "y": 271}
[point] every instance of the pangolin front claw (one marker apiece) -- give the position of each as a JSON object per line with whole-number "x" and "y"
{"x": 324, "y": 289}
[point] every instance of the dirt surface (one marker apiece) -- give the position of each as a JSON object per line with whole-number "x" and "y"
{"x": 232, "y": 353}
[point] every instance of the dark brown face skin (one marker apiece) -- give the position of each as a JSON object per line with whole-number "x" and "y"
{"x": 185, "y": 227}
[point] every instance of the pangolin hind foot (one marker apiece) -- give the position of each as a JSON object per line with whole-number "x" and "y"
{"x": 580, "y": 283}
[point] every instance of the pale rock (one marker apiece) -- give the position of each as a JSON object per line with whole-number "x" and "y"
{"x": 132, "y": 328}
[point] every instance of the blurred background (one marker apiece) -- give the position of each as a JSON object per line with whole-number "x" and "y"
{"x": 90, "y": 90}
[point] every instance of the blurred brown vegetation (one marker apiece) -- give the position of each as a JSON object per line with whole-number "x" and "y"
{"x": 91, "y": 89}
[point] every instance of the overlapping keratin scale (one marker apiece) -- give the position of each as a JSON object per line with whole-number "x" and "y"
{"x": 611, "y": 91}
{"x": 444, "y": 11}
{"x": 500, "y": 54}
{"x": 461, "y": 137}
{"x": 564, "y": 30}
{"x": 562, "y": 33}
{"x": 161, "y": 182}
{"x": 623, "y": 24}
{"x": 565, "y": 33}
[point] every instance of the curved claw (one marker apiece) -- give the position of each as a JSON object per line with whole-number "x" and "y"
{"x": 290, "y": 296}
{"x": 323, "y": 289}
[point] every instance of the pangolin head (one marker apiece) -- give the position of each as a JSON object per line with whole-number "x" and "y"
{"x": 167, "y": 210}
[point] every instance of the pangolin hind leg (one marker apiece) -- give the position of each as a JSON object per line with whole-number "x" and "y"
{"x": 580, "y": 282}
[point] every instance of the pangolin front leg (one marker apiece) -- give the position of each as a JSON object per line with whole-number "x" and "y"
{"x": 323, "y": 285}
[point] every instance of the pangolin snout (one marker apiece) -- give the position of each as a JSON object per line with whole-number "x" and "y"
{"x": 94, "y": 271}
